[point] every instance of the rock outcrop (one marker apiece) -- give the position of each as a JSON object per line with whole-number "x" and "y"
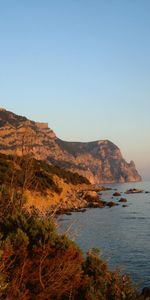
{"x": 100, "y": 161}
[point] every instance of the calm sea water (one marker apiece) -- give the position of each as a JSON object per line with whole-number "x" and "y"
{"x": 121, "y": 234}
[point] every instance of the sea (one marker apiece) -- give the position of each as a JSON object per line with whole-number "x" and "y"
{"x": 122, "y": 234}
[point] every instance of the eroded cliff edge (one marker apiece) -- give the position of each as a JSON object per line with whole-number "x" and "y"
{"x": 100, "y": 161}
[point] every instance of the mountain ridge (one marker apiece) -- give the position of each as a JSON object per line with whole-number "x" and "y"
{"x": 100, "y": 161}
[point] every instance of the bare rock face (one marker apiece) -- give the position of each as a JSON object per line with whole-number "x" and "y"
{"x": 99, "y": 161}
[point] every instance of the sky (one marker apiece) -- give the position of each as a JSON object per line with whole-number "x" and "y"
{"x": 83, "y": 66}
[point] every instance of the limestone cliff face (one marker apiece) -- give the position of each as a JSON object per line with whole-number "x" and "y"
{"x": 100, "y": 161}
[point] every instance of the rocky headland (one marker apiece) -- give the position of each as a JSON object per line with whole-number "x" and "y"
{"x": 99, "y": 161}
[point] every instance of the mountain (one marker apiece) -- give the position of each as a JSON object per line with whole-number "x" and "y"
{"x": 100, "y": 161}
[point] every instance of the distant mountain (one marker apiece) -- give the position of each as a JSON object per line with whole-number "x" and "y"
{"x": 100, "y": 161}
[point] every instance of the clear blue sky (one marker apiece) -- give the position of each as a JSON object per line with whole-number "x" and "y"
{"x": 83, "y": 66}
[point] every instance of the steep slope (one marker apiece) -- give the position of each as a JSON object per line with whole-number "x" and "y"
{"x": 99, "y": 161}
{"x": 46, "y": 187}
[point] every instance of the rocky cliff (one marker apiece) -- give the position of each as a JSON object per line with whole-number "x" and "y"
{"x": 100, "y": 161}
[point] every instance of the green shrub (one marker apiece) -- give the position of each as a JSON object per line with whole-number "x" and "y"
{"x": 28, "y": 173}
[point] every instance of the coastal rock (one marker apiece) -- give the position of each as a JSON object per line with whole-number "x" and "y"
{"x": 117, "y": 194}
{"x": 100, "y": 161}
{"x": 134, "y": 191}
{"x": 91, "y": 196}
{"x": 97, "y": 204}
{"x": 111, "y": 204}
{"x": 123, "y": 200}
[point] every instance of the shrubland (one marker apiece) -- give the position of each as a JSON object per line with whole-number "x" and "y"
{"x": 38, "y": 263}
{"x": 28, "y": 173}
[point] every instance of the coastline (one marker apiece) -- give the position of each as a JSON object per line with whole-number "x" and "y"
{"x": 120, "y": 233}
{"x": 90, "y": 197}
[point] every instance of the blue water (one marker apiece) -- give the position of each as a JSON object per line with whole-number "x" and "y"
{"x": 121, "y": 234}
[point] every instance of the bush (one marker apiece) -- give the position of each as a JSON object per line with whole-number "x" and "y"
{"x": 100, "y": 283}
{"x": 35, "y": 261}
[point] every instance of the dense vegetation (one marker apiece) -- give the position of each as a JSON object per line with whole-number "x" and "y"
{"x": 28, "y": 173}
{"x": 69, "y": 177}
{"x": 38, "y": 263}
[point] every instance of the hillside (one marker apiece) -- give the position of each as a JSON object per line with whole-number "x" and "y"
{"x": 100, "y": 161}
{"x": 43, "y": 186}
{"x": 37, "y": 262}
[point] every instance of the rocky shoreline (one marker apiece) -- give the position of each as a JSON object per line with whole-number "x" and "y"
{"x": 90, "y": 197}
{"x": 81, "y": 199}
